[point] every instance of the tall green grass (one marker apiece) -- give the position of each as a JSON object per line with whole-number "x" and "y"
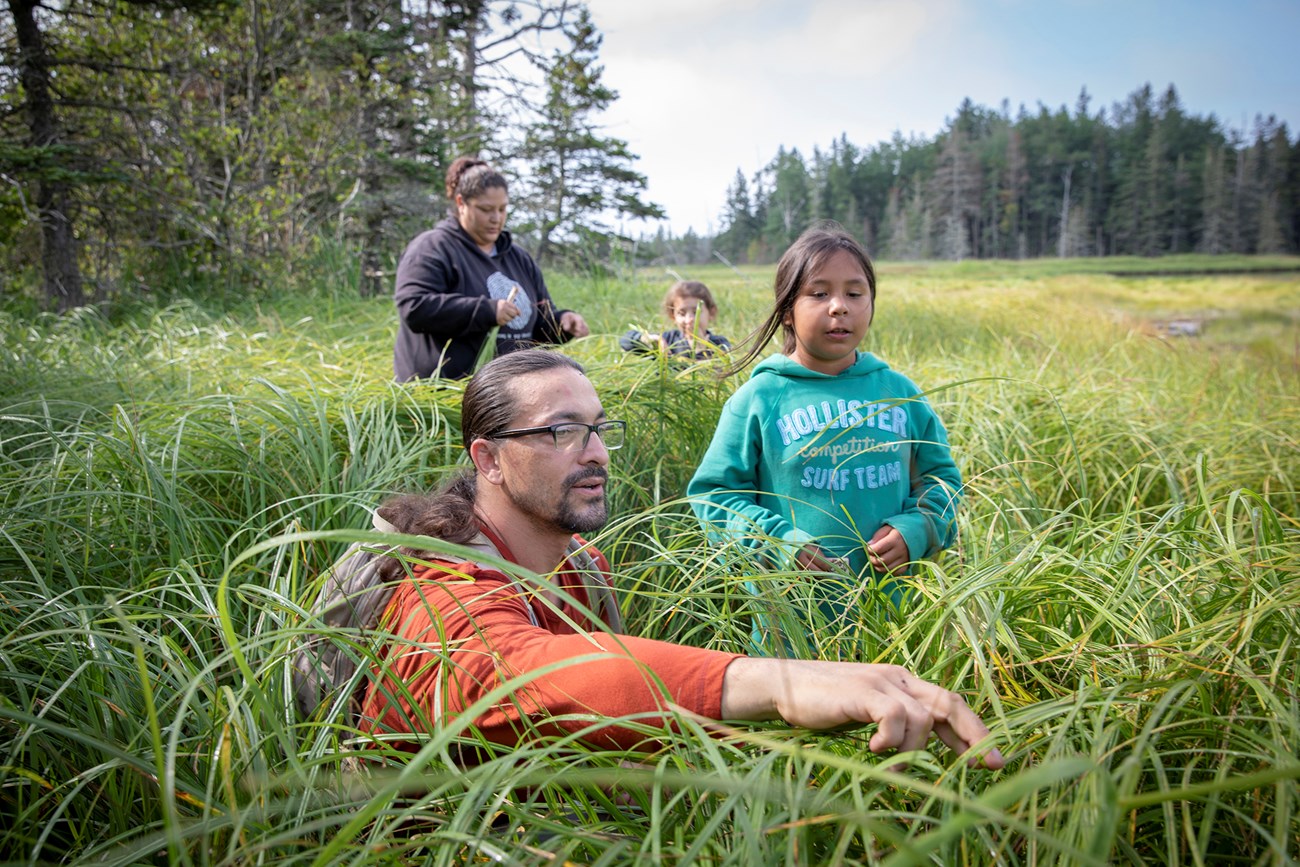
{"x": 1122, "y": 606}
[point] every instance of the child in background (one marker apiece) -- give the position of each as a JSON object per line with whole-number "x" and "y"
{"x": 689, "y": 305}
{"x": 825, "y": 449}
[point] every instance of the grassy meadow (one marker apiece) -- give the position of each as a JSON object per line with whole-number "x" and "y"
{"x": 1123, "y": 606}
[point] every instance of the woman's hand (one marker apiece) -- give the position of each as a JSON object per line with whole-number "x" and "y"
{"x": 573, "y": 324}
{"x": 506, "y": 310}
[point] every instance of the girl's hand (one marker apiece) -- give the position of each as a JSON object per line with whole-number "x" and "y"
{"x": 811, "y": 558}
{"x": 887, "y": 551}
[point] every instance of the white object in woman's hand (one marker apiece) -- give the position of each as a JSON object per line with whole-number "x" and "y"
{"x": 506, "y": 310}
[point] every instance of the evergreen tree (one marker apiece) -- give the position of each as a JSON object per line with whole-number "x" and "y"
{"x": 45, "y": 148}
{"x": 1245, "y": 206}
{"x": 871, "y": 182}
{"x": 1149, "y": 179}
{"x": 741, "y": 228}
{"x": 759, "y": 249}
{"x": 1215, "y": 199}
{"x": 578, "y": 175}
{"x": 956, "y": 186}
{"x": 1273, "y": 148}
{"x": 789, "y": 202}
{"x": 1291, "y": 196}
{"x": 1012, "y": 204}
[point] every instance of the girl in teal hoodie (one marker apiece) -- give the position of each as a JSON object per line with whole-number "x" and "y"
{"x": 826, "y": 453}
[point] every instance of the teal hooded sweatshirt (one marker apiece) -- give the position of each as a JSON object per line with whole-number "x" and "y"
{"x": 799, "y": 456}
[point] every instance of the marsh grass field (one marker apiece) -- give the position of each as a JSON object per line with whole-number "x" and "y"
{"x": 1123, "y": 606}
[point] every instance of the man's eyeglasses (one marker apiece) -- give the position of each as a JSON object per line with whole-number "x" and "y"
{"x": 573, "y": 436}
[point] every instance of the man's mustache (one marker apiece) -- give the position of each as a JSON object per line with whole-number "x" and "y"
{"x": 586, "y": 473}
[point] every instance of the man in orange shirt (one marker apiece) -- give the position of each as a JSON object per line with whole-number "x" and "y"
{"x": 540, "y": 441}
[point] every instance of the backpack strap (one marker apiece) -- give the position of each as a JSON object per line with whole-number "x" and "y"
{"x": 593, "y": 580}
{"x": 597, "y": 584}
{"x": 352, "y": 596}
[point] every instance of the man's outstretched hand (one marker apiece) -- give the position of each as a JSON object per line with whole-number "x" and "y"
{"x": 824, "y": 695}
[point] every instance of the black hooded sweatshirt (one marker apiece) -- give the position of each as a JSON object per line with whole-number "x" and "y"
{"x": 446, "y": 303}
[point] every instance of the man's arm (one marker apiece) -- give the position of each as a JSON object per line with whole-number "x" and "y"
{"x": 475, "y": 634}
{"x": 823, "y": 695}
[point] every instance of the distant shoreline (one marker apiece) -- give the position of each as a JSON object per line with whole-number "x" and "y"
{"x": 1200, "y": 272}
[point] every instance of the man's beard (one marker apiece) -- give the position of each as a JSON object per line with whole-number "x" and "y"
{"x": 563, "y": 515}
{"x": 596, "y": 513}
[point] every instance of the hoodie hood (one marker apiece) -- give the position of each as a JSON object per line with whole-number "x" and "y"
{"x": 451, "y": 228}
{"x": 782, "y": 365}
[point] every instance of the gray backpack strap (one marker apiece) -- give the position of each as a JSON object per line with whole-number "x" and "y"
{"x": 352, "y": 597}
{"x": 602, "y": 595}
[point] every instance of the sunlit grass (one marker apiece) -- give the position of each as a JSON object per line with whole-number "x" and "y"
{"x": 1122, "y": 605}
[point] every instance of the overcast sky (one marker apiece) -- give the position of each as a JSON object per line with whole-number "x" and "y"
{"x": 711, "y": 86}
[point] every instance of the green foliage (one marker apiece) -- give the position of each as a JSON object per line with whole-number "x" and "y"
{"x": 1122, "y": 607}
{"x": 192, "y": 148}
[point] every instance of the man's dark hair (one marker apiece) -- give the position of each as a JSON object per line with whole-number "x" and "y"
{"x": 490, "y": 400}
{"x": 487, "y": 407}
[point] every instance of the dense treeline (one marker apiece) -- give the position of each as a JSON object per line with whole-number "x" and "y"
{"x": 1147, "y": 178}
{"x": 207, "y": 144}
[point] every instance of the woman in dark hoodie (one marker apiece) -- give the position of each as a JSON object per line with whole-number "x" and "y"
{"x": 463, "y": 278}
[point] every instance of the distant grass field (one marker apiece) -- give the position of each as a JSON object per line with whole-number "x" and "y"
{"x": 1123, "y": 606}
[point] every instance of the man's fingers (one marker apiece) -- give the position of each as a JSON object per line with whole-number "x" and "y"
{"x": 891, "y": 723}
{"x": 968, "y": 727}
{"x": 954, "y": 722}
{"x": 919, "y": 726}
{"x": 928, "y": 707}
{"x": 989, "y": 757}
{"x": 904, "y": 708}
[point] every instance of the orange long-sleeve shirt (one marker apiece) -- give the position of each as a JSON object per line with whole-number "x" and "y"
{"x": 461, "y": 630}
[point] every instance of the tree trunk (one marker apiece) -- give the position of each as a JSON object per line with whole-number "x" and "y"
{"x": 372, "y": 230}
{"x": 1063, "y": 242}
{"x": 62, "y": 276}
{"x": 474, "y": 12}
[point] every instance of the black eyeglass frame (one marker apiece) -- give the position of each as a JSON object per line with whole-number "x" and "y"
{"x": 555, "y": 435}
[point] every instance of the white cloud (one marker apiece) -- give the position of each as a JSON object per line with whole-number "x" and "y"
{"x": 617, "y": 16}
{"x": 709, "y": 87}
